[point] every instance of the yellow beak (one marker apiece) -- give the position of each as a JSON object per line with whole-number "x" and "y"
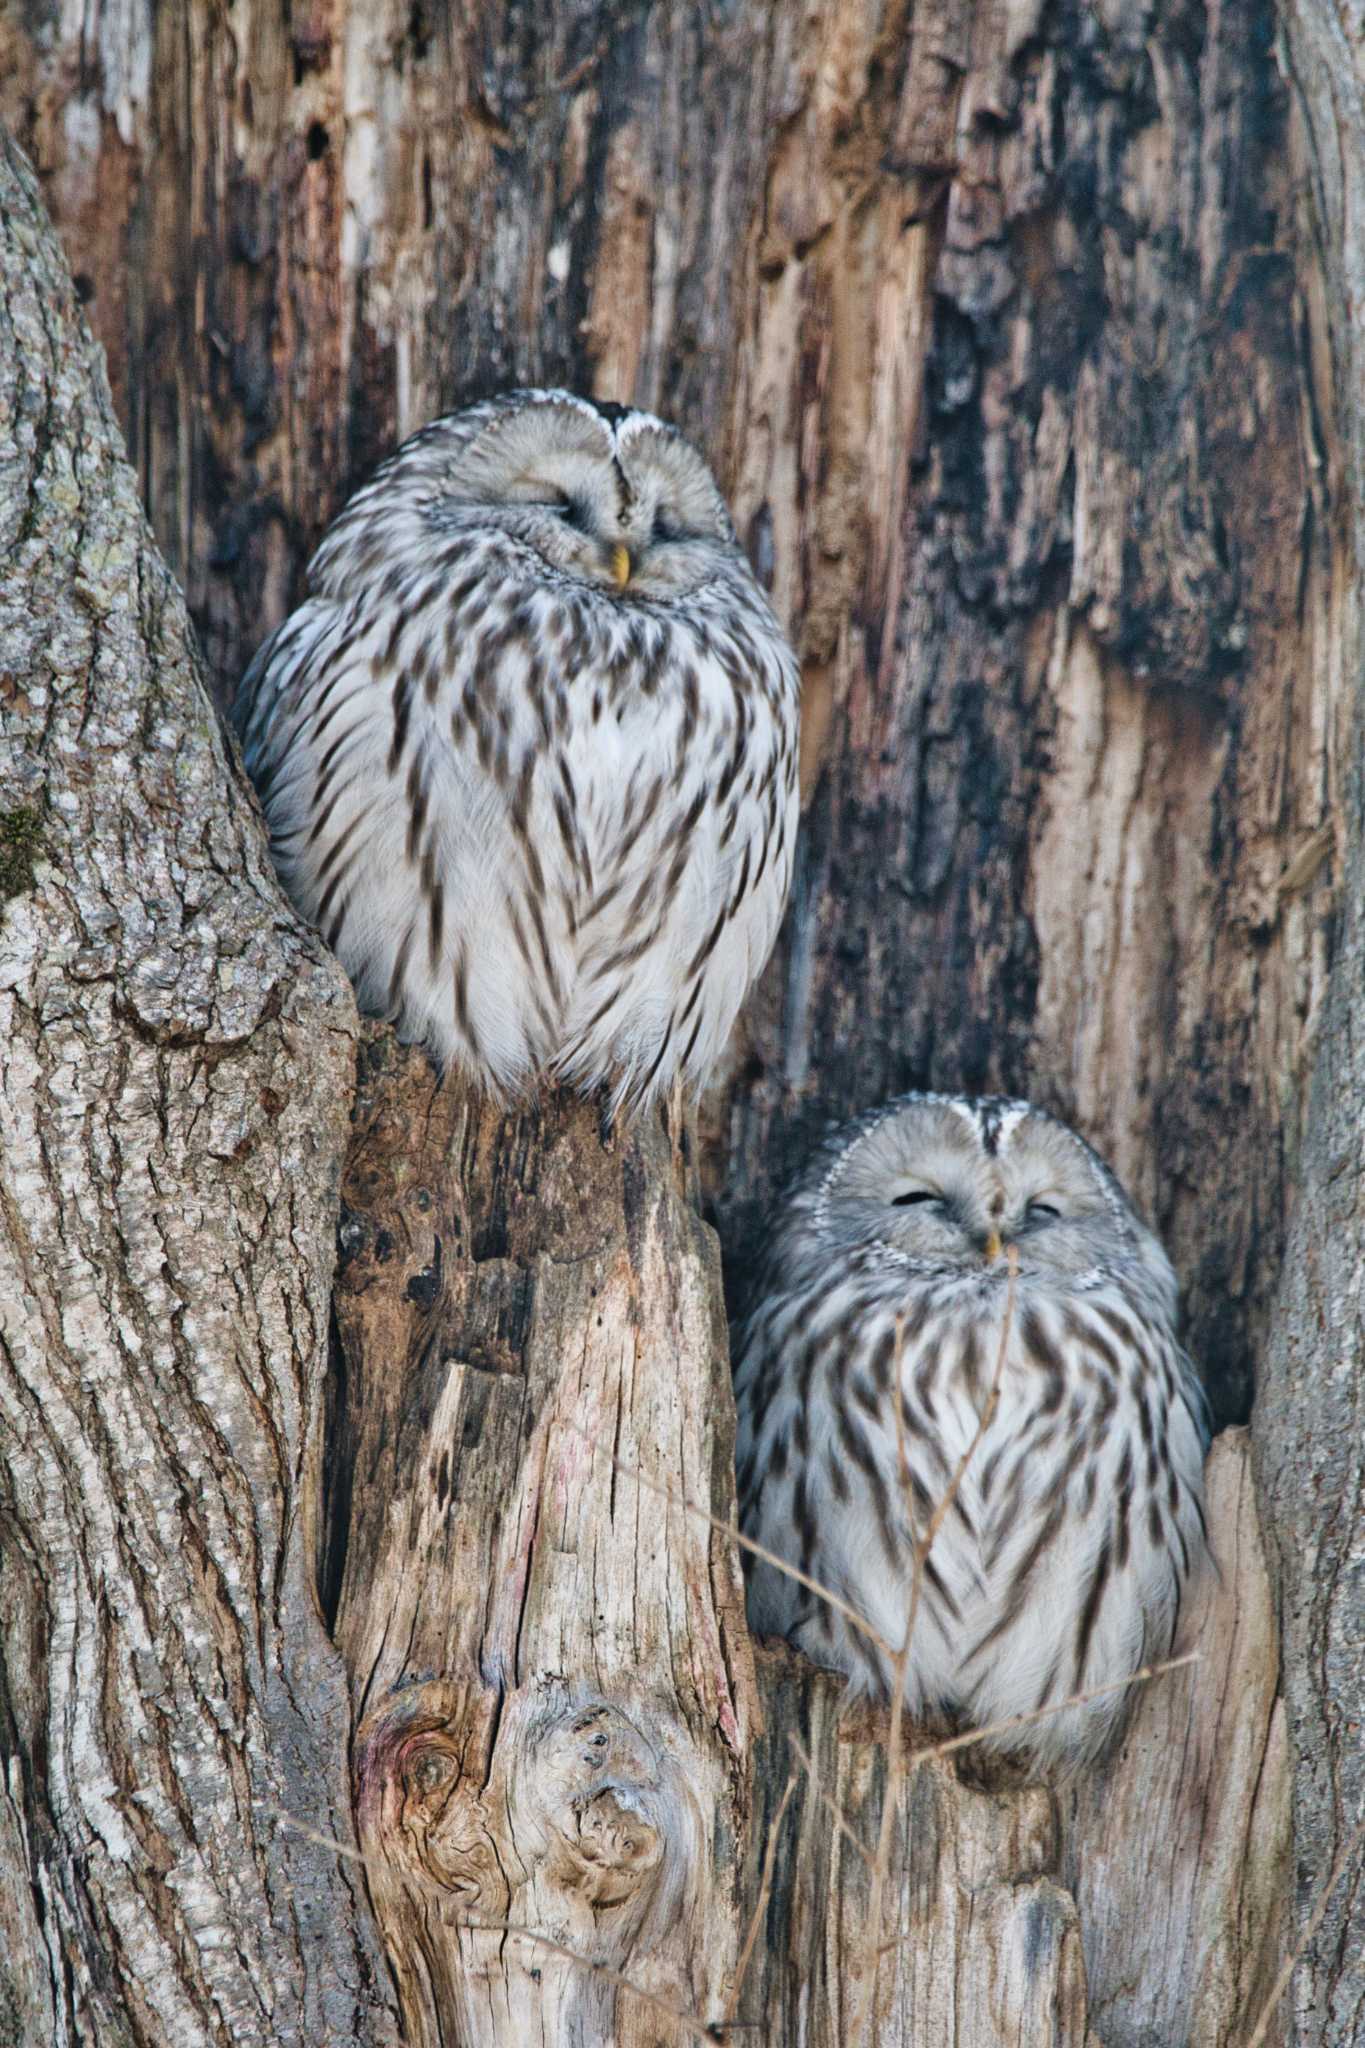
{"x": 993, "y": 1247}
{"x": 620, "y": 565}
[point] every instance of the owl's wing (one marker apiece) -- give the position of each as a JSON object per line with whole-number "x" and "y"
{"x": 383, "y": 757}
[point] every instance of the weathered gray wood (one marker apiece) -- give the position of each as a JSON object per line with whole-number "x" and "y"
{"x": 175, "y": 1059}
{"x": 1310, "y": 1420}
{"x": 553, "y": 1685}
{"x": 1190, "y": 1824}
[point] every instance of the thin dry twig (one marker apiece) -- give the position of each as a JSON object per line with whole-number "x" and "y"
{"x": 929, "y": 1752}
{"x": 735, "y": 1534}
{"x": 1075, "y": 1699}
{"x": 1310, "y": 1928}
{"x": 765, "y": 1885}
{"x": 307, "y": 1834}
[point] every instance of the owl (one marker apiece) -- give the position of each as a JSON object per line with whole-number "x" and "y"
{"x": 528, "y": 750}
{"x": 937, "y": 1250}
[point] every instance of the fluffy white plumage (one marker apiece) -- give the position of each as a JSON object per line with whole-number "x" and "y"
{"x": 1059, "y": 1566}
{"x": 528, "y": 750}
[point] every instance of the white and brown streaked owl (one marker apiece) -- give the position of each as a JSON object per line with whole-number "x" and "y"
{"x": 1060, "y": 1564}
{"x": 528, "y": 750}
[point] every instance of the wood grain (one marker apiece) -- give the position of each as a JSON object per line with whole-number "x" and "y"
{"x": 1021, "y": 338}
{"x": 553, "y": 1685}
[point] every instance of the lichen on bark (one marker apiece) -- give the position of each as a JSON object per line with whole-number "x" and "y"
{"x": 21, "y": 843}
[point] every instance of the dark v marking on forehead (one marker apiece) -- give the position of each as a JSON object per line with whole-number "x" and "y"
{"x": 609, "y": 410}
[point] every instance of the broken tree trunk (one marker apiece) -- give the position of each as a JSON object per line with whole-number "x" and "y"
{"x": 566, "y": 1788}
{"x": 1020, "y": 339}
{"x": 552, "y": 1681}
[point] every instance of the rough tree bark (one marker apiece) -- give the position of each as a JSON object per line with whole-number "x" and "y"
{"x": 1310, "y": 1421}
{"x": 175, "y": 1056}
{"x": 1020, "y": 336}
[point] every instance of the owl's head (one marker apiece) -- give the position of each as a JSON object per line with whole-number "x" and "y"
{"x": 609, "y": 497}
{"x": 950, "y": 1184}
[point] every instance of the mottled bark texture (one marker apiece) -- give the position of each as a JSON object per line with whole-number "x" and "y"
{"x": 175, "y": 1061}
{"x": 1310, "y": 1418}
{"x": 1021, "y": 337}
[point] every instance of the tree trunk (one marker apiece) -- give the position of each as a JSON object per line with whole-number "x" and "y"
{"x": 1310, "y": 1419}
{"x": 175, "y": 1057}
{"x": 1021, "y": 339}
{"x": 553, "y": 1686}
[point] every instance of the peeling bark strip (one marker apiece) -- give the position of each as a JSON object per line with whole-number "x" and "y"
{"x": 553, "y": 1685}
{"x": 175, "y": 1057}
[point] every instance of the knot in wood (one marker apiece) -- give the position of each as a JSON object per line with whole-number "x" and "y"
{"x": 601, "y": 1804}
{"x": 417, "y": 1810}
{"x": 605, "y": 1850}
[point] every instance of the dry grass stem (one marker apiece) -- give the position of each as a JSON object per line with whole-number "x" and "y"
{"x": 307, "y": 1834}
{"x": 1075, "y": 1699}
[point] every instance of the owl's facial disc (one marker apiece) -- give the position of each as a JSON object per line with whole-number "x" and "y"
{"x": 927, "y": 1183}
{"x": 629, "y": 508}
{"x": 676, "y": 524}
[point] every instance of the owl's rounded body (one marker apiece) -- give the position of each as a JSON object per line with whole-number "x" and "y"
{"x": 528, "y": 750}
{"x": 975, "y": 1266}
